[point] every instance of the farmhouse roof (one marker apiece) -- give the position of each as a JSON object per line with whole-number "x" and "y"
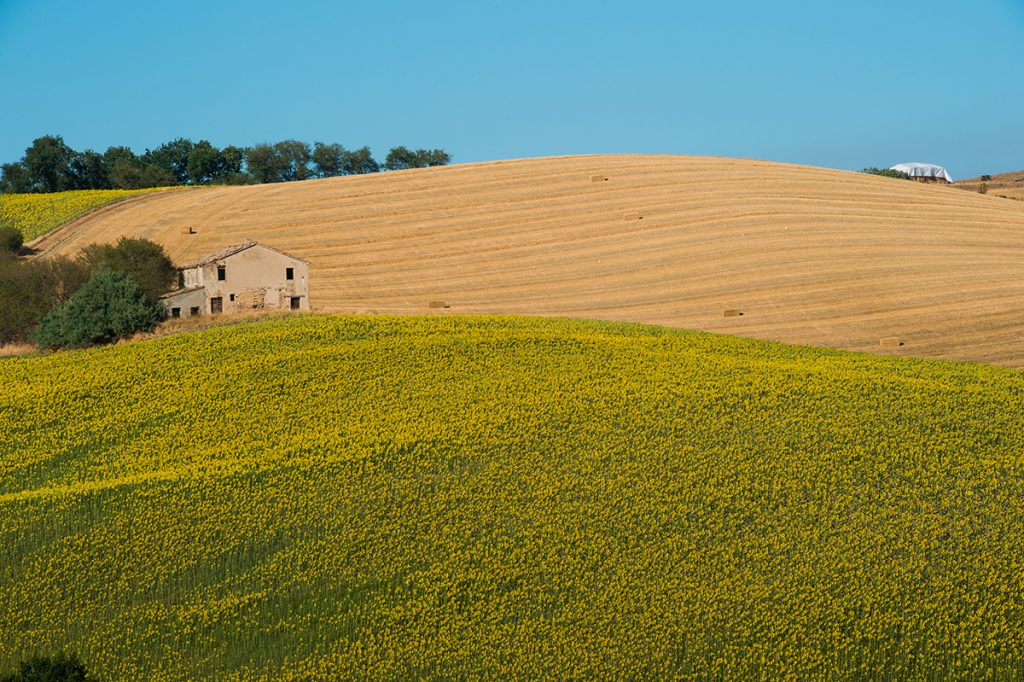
{"x": 923, "y": 170}
{"x": 229, "y": 251}
{"x": 179, "y": 292}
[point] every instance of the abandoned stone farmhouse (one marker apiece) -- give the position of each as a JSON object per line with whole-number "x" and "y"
{"x": 241, "y": 277}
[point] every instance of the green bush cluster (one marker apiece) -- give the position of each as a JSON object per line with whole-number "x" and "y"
{"x": 59, "y": 668}
{"x": 110, "y": 291}
{"x": 11, "y": 239}
{"x": 887, "y": 173}
{"x": 109, "y": 307}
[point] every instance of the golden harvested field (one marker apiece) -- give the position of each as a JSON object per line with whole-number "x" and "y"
{"x": 1007, "y": 185}
{"x": 808, "y": 255}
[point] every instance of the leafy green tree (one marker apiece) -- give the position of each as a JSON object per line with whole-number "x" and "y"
{"x": 172, "y": 157}
{"x": 31, "y": 289}
{"x": 48, "y": 162}
{"x": 109, "y": 307}
{"x": 14, "y": 178}
{"x": 887, "y": 172}
{"x": 125, "y": 170}
{"x": 234, "y": 158}
{"x": 59, "y": 668}
{"x": 433, "y": 157}
{"x": 20, "y": 308}
{"x": 205, "y": 163}
{"x": 151, "y": 175}
{"x": 88, "y": 170}
{"x": 359, "y": 162}
{"x": 266, "y": 164}
{"x": 400, "y": 158}
{"x": 50, "y": 165}
{"x": 116, "y": 155}
{"x": 63, "y": 277}
{"x": 126, "y": 175}
{"x": 143, "y": 260}
{"x": 297, "y": 156}
{"x": 328, "y": 159}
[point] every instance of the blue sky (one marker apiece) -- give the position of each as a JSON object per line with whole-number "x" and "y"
{"x": 842, "y": 85}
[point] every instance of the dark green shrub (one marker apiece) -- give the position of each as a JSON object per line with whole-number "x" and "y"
{"x": 59, "y": 668}
{"x": 143, "y": 260}
{"x": 11, "y": 239}
{"x": 887, "y": 172}
{"x": 31, "y": 289}
{"x": 109, "y": 307}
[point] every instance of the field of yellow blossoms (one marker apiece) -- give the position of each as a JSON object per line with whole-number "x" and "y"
{"x": 466, "y": 497}
{"x": 36, "y": 214}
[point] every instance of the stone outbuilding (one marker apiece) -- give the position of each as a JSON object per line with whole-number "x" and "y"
{"x": 241, "y": 277}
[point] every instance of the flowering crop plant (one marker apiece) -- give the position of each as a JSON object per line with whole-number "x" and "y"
{"x": 36, "y": 214}
{"x": 455, "y": 497}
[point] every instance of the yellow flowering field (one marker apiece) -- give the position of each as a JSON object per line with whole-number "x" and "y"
{"x": 505, "y": 498}
{"x": 36, "y": 214}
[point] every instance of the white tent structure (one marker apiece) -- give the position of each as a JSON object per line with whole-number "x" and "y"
{"x": 923, "y": 171}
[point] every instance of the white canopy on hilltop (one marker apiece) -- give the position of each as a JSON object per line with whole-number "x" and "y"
{"x": 923, "y": 170}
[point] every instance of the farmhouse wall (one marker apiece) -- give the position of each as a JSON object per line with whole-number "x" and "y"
{"x": 185, "y": 301}
{"x": 255, "y": 277}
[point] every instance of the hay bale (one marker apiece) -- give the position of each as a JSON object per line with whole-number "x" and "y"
{"x": 438, "y": 304}
{"x": 188, "y": 230}
{"x": 732, "y": 312}
{"x": 632, "y": 216}
{"x": 599, "y": 178}
{"x": 890, "y": 342}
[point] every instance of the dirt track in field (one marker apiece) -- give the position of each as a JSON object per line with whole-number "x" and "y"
{"x": 809, "y": 256}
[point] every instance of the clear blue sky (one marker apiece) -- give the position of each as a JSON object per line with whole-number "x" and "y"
{"x": 837, "y": 84}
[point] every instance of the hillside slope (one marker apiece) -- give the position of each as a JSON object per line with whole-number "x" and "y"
{"x": 808, "y": 255}
{"x": 461, "y": 498}
{"x": 37, "y": 214}
{"x": 1010, "y": 185}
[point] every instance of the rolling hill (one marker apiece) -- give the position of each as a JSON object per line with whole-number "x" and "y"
{"x": 807, "y": 255}
{"x": 449, "y": 497}
{"x": 36, "y": 214}
{"x": 1009, "y": 185}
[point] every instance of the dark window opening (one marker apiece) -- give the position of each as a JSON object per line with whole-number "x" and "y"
{"x": 216, "y": 305}
{"x": 289, "y": 273}
{"x": 295, "y": 302}
{"x": 231, "y": 297}
{"x": 193, "y": 311}
{"x": 175, "y": 312}
{"x": 222, "y": 273}
{"x": 181, "y": 279}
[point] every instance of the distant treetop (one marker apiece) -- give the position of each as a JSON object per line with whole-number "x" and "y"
{"x": 886, "y": 172}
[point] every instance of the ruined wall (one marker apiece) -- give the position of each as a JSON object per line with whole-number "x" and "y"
{"x": 255, "y": 278}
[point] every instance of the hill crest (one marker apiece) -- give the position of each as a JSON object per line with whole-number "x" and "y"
{"x": 807, "y": 255}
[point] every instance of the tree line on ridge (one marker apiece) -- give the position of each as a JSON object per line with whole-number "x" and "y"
{"x": 50, "y": 165}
